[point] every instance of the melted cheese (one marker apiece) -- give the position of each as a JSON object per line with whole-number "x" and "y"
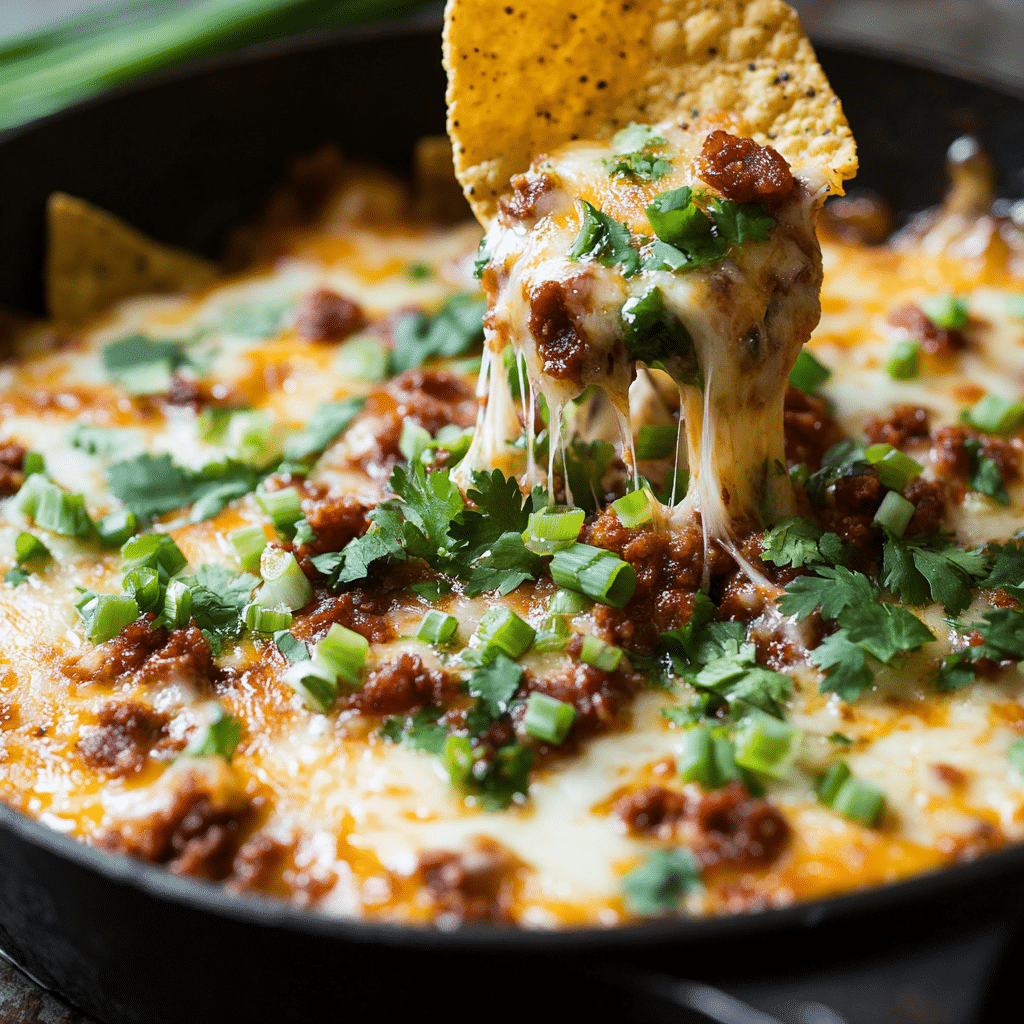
{"x": 357, "y": 812}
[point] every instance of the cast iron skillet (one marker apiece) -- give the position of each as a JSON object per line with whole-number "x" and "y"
{"x": 186, "y": 155}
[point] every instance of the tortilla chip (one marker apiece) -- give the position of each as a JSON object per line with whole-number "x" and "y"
{"x": 528, "y": 76}
{"x": 94, "y": 259}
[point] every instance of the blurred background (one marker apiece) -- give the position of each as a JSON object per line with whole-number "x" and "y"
{"x": 54, "y": 52}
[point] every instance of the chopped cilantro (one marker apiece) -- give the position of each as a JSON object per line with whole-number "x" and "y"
{"x": 420, "y": 731}
{"x": 291, "y": 646}
{"x": 587, "y": 462}
{"x": 799, "y": 542}
{"x": 1015, "y": 755}
{"x": 100, "y": 441}
{"x": 917, "y": 568}
{"x": 606, "y": 240}
{"x": 985, "y": 474}
{"x": 504, "y": 567}
{"x": 495, "y": 684}
{"x": 454, "y": 329}
{"x": 808, "y": 375}
{"x": 657, "y": 886}
{"x": 653, "y": 334}
{"x": 256, "y": 319}
{"x": 429, "y": 504}
{"x": 494, "y": 780}
{"x": 635, "y": 137}
{"x": 740, "y": 222}
{"x": 218, "y": 598}
{"x": 632, "y": 157}
{"x": 384, "y": 539}
{"x": 483, "y": 257}
{"x": 843, "y": 459}
{"x": 329, "y": 420}
{"x": 221, "y": 735}
{"x": 16, "y": 575}
{"x": 1006, "y": 569}
{"x": 142, "y": 365}
{"x": 678, "y": 221}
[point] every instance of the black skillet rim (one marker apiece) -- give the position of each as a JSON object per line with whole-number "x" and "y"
{"x": 160, "y": 884}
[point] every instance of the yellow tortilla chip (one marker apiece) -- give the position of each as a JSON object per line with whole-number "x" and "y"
{"x": 94, "y": 259}
{"x": 528, "y": 76}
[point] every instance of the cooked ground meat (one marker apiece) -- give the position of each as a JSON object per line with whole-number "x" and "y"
{"x": 362, "y": 610}
{"x": 669, "y": 569}
{"x": 120, "y": 743}
{"x": 810, "y": 430}
{"x": 904, "y": 423}
{"x": 400, "y": 685}
{"x": 598, "y": 697}
{"x": 197, "y": 834}
{"x": 429, "y": 398}
{"x": 727, "y": 827}
{"x": 934, "y": 340}
{"x": 336, "y": 519}
{"x": 324, "y": 315}
{"x": 744, "y": 171}
{"x": 12, "y": 465}
{"x": 562, "y": 342}
{"x": 475, "y": 885}
{"x": 521, "y": 205}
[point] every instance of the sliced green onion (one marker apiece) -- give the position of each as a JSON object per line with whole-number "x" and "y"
{"x": 152, "y": 378}
{"x": 285, "y": 581}
{"x": 1014, "y": 308}
{"x": 212, "y": 424}
{"x": 904, "y": 362}
{"x": 894, "y": 513}
{"x": 767, "y": 745}
{"x": 266, "y": 620}
{"x": 599, "y": 654}
{"x": 155, "y": 551}
{"x": 61, "y": 512}
{"x": 249, "y": 543}
{"x": 117, "y": 528}
{"x": 552, "y": 529}
{"x": 800, "y": 473}
{"x": 144, "y": 585}
{"x": 635, "y": 510}
{"x": 595, "y": 572}
{"x": 107, "y": 615}
{"x": 33, "y": 463}
{"x": 29, "y": 548}
{"x": 831, "y": 782}
{"x": 859, "y": 801}
{"x": 947, "y": 312}
{"x": 554, "y": 636}
{"x": 568, "y": 602}
{"x": 808, "y": 374}
{"x": 363, "y": 357}
{"x": 415, "y": 440}
{"x": 304, "y": 533}
{"x": 317, "y": 692}
{"x": 284, "y": 508}
{"x": 1015, "y": 755}
{"x": 548, "y": 719}
{"x": 656, "y": 441}
{"x": 220, "y": 735}
{"x": 27, "y": 499}
{"x": 254, "y": 437}
{"x": 894, "y": 469}
{"x": 437, "y": 627}
{"x": 995, "y": 415}
{"x": 342, "y": 653}
{"x": 501, "y": 630}
{"x": 707, "y": 758}
{"x": 177, "y": 610}
{"x": 459, "y": 760}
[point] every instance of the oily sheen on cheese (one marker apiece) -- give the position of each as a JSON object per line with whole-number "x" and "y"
{"x": 337, "y": 809}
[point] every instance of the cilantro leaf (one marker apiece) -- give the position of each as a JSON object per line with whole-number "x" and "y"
{"x": 653, "y": 334}
{"x": 843, "y": 459}
{"x": 329, "y": 420}
{"x": 658, "y": 885}
{"x": 917, "y": 568}
{"x": 955, "y": 672}
{"x": 430, "y": 503}
{"x": 420, "y": 731}
{"x": 256, "y": 319}
{"x": 739, "y": 222}
{"x": 455, "y": 328}
{"x": 1006, "y": 571}
{"x": 799, "y": 542}
{"x": 384, "y": 539}
{"x": 151, "y": 485}
{"x": 504, "y": 567}
{"x": 985, "y": 474}
{"x": 587, "y": 462}
{"x": 219, "y": 597}
{"x": 648, "y": 166}
{"x": 142, "y": 365}
{"x": 16, "y": 575}
{"x": 635, "y": 137}
{"x": 606, "y": 240}
{"x": 1002, "y": 633}
{"x": 219, "y": 736}
{"x": 500, "y": 509}
{"x": 101, "y": 441}
{"x": 834, "y": 589}
{"x": 679, "y": 221}
{"x": 495, "y": 684}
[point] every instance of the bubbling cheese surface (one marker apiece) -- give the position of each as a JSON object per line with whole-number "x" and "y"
{"x": 327, "y": 811}
{"x": 745, "y": 318}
